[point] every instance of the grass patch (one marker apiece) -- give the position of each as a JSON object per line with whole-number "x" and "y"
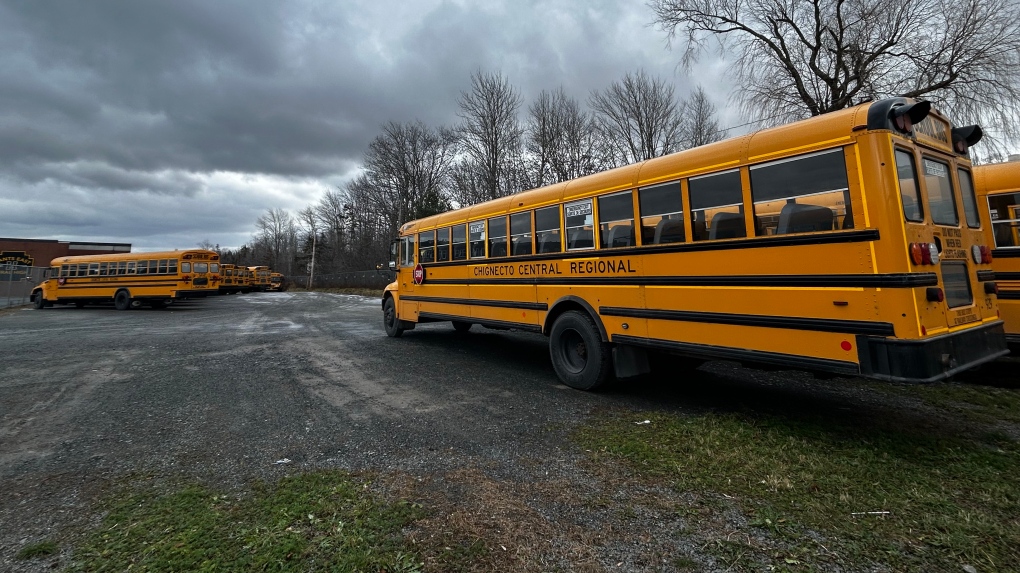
{"x": 323, "y": 521}
{"x": 945, "y": 501}
{"x": 41, "y": 549}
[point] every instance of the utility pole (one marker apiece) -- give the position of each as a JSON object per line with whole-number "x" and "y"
{"x": 311, "y": 271}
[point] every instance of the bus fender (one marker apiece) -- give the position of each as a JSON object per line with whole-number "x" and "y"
{"x": 395, "y": 295}
{"x": 571, "y": 302}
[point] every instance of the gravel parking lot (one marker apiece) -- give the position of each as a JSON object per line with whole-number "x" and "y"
{"x": 224, "y": 390}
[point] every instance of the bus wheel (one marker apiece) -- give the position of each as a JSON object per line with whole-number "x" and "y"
{"x": 157, "y": 304}
{"x": 79, "y": 304}
{"x": 122, "y": 300}
{"x": 579, "y": 356}
{"x": 461, "y": 326}
{"x": 39, "y": 303}
{"x": 390, "y": 321}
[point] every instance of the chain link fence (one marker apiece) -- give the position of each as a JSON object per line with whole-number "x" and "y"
{"x": 16, "y": 284}
{"x": 353, "y": 279}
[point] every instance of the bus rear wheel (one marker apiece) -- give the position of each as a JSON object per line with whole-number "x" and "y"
{"x": 122, "y": 300}
{"x": 461, "y": 326}
{"x": 579, "y": 356}
{"x": 390, "y": 321}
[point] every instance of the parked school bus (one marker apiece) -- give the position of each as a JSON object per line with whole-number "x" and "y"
{"x": 998, "y": 190}
{"x": 259, "y": 278}
{"x": 129, "y": 279}
{"x": 276, "y": 282}
{"x": 232, "y": 279}
{"x": 839, "y": 243}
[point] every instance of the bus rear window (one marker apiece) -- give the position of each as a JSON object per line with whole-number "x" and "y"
{"x": 941, "y": 199}
{"x": 1005, "y": 213}
{"x": 201, "y": 267}
{"x": 802, "y": 194}
{"x": 969, "y": 202}
{"x": 910, "y": 191}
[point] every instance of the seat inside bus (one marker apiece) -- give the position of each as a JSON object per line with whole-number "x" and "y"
{"x": 620, "y": 236}
{"x": 581, "y": 239}
{"x": 727, "y": 226}
{"x": 669, "y": 231}
{"x": 797, "y": 218}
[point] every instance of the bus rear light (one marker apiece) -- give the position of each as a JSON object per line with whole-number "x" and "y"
{"x": 934, "y": 294}
{"x": 845, "y": 345}
{"x": 992, "y": 287}
{"x": 905, "y": 116}
{"x": 975, "y": 252}
{"x": 915, "y": 253}
{"x": 986, "y": 254}
{"x": 924, "y": 331}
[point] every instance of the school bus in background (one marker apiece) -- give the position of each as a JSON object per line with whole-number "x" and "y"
{"x": 259, "y": 277}
{"x": 232, "y": 279}
{"x": 276, "y": 282}
{"x": 129, "y": 280}
{"x": 840, "y": 244}
{"x": 998, "y": 191}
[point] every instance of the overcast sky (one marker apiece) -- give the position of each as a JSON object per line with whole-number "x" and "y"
{"x": 164, "y": 124}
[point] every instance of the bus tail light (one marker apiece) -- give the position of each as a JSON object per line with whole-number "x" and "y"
{"x": 924, "y": 253}
{"x": 992, "y": 287}
{"x": 986, "y": 254}
{"x": 915, "y": 253}
{"x": 935, "y": 294}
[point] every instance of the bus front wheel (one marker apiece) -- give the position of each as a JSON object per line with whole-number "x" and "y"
{"x": 122, "y": 300}
{"x": 461, "y": 326}
{"x": 39, "y": 303}
{"x": 579, "y": 356}
{"x": 390, "y": 321}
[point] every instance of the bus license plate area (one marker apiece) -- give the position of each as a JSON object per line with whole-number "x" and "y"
{"x": 956, "y": 284}
{"x": 201, "y": 281}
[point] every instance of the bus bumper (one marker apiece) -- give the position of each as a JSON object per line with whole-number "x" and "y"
{"x": 195, "y": 293}
{"x": 931, "y": 359}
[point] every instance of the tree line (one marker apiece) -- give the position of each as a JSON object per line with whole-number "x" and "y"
{"x": 413, "y": 170}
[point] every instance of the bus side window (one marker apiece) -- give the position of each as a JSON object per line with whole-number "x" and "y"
{"x": 580, "y": 225}
{"x": 910, "y": 191}
{"x": 154, "y": 266}
{"x": 93, "y": 269}
{"x": 547, "y": 230}
{"x": 476, "y": 239}
{"x": 459, "y": 243}
{"x": 407, "y": 251}
{"x": 64, "y": 270}
{"x": 443, "y": 244}
{"x": 520, "y": 233}
{"x": 143, "y": 267}
{"x": 185, "y": 267}
{"x": 426, "y": 247}
{"x": 162, "y": 266}
{"x": 1005, "y": 214}
{"x": 103, "y": 269}
{"x": 803, "y": 194}
{"x": 497, "y": 237}
{"x": 131, "y": 267}
{"x": 616, "y": 220}
{"x": 662, "y": 215}
{"x": 717, "y": 206}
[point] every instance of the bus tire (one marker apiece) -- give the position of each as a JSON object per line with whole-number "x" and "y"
{"x": 122, "y": 300}
{"x": 79, "y": 304}
{"x": 579, "y": 356}
{"x": 461, "y": 326}
{"x": 157, "y": 304}
{"x": 39, "y": 303}
{"x": 390, "y": 321}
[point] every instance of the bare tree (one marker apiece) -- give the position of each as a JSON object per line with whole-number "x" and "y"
{"x": 641, "y": 116}
{"x": 209, "y": 245}
{"x": 276, "y": 237}
{"x": 562, "y": 140}
{"x": 796, "y": 58}
{"x": 703, "y": 125}
{"x": 491, "y": 133}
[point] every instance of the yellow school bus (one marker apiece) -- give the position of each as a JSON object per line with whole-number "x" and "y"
{"x": 259, "y": 277}
{"x": 840, "y": 244}
{"x": 276, "y": 282}
{"x": 129, "y": 280}
{"x": 998, "y": 191}
{"x": 232, "y": 279}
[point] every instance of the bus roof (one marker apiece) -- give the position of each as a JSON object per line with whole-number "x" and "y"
{"x": 815, "y": 133}
{"x": 133, "y": 256}
{"x": 997, "y": 177}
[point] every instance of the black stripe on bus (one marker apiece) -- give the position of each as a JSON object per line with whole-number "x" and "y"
{"x": 986, "y": 276}
{"x": 479, "y": 302}
{"x": 791, "y": 322}
{"x": 741, "y": 354}
{"x": 1006, "y": 253}
{"x": 862, "y": 235}
{"x": 1001, "y": 276}
{"x": 1009, "y": 295}
{"x": 889, "y": 280}
{"x": 481, "y": 321}
{"x": 117, "y": 285}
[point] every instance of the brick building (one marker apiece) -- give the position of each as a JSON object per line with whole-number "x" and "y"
{"x": 39, "y": 252}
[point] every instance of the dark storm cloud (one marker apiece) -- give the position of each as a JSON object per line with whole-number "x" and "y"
{"x": 240, "y": 106}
